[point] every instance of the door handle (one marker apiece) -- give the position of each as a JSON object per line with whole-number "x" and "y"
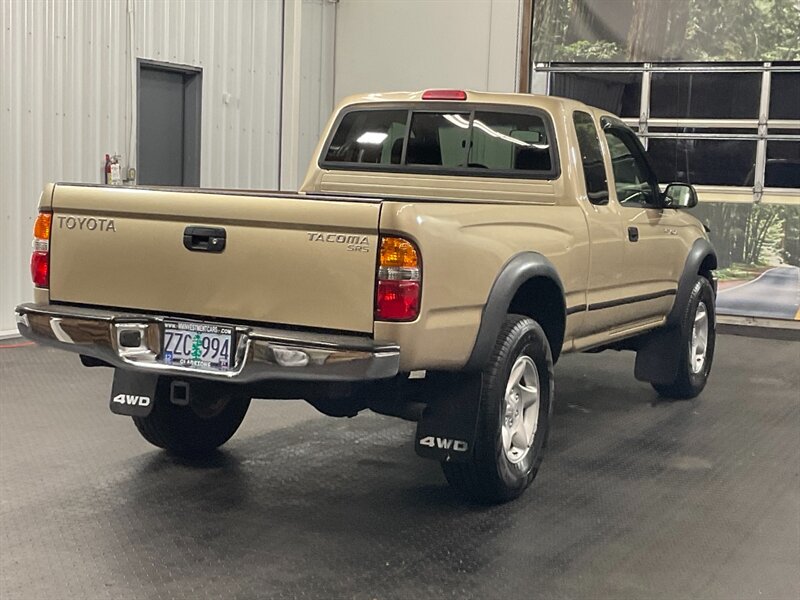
{"x": 633, "y": 234}
{"x": 204, "y": 239}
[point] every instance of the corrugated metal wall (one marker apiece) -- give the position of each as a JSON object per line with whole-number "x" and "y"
{"x": 67, "y": 95}
{"x": 309, "y": 28}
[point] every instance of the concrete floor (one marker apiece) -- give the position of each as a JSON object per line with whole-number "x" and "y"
{"x": 637, "y": 498}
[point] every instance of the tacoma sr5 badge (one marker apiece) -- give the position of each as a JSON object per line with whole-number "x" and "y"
{"x": 354, "y": 243}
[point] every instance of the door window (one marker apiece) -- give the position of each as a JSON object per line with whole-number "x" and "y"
{"x": 633, "y": 178}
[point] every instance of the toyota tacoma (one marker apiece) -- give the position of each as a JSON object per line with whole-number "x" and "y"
{"x": 445, "y": 248}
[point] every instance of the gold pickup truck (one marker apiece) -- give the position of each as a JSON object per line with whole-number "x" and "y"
{"x": 444, "y": 249}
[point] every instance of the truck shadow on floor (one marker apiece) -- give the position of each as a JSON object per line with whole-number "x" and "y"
{"x": 336, "y": 462}
{"x": 345, "y": 474}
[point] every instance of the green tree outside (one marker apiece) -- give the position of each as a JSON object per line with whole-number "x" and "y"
{"x": 666, "y": 30}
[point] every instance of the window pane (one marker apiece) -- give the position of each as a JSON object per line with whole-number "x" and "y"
{"x": 783, "y": 131}
{"x": 593, "y": 168}
{"x": 438, "y": 139}
{"x": 705, "y": 95}
{"x": 784, "y": 97}
{"x": 506, "y": 141}
{"x": 703, "y": 162}
{"x": 783, "y": 164}
{"x": 369, "y": 136}
{"x": 619, "y": 93}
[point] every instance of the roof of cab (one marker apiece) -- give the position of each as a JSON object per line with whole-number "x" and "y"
{"x": 549, "y": 103}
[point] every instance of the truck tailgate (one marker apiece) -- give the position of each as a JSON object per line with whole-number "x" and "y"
{"x": 288, "y": 259}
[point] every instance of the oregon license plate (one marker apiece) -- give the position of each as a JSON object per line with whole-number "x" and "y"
{"x": 198, "y": 345}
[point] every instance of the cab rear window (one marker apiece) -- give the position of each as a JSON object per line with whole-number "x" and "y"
{"x": 464, "y": 141}
{"x": 437, "y": 139}
{"x": 369, "y": 137}
{"x": 503, "y": 141}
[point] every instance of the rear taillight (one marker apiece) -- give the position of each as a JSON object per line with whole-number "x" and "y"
{"x": 40, "y": 259}
{"x": 399, "y": 281}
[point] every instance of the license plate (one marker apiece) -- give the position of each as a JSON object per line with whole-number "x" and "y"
{"x": 198, "y": 345}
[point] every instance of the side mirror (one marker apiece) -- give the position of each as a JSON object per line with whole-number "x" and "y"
{"x": 680, "y": 195}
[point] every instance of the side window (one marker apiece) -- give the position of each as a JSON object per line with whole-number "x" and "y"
{"x": 594, "y": 171}
{"x": 634, "y": 180}
{"x": 509, "y": 141}
{"x": 438, "y": 138}
{"x": 369, "y": 136}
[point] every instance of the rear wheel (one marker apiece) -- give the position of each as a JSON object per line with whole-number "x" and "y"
{"x": 193, "y": 430}
{"x": 514, "y": 418}
{"x": 696, "y": 344}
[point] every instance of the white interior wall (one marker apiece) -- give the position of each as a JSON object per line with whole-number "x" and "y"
{"x": 67, "y": 96}
{"x": 390, "y": 45}
{"x": 308, "y": 83}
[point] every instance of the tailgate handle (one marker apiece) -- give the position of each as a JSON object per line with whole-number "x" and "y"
{"x": 204, "y": 239}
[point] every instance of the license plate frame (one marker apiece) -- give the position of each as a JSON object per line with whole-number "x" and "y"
{"x": 184, "y": 345}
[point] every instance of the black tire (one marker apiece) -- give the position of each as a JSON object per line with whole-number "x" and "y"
{"x": 194, "y": 430}
{"x": 689, "y": 382}
{"x": 491, "y": 477}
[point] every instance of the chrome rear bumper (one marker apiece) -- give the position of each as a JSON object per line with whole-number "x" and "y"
{"x": 261, "y": 353}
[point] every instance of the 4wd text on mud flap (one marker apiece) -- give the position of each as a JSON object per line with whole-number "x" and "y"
{"x": 444, "y": 443}
{"x": 131, "y": 399}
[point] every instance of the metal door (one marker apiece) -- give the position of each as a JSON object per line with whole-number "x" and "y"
{"x": 169, "y": 125}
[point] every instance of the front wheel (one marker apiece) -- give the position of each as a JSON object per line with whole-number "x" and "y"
{"x": 696, "y": 344}
{"x": 515, "y": 408}
{"x": 194, "y": 430}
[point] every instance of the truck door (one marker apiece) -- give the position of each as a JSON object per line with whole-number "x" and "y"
{"x": 652, "y": 247}
{"x": 606, "y": 284}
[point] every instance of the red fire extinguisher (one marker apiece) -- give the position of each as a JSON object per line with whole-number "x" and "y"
{"x": 107, "y": 171}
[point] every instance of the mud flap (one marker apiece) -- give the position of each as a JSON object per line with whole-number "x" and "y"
{"x": 658, "y": 357}
{"x": 133, "y": 394}
{"x": 448, "y": 427}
